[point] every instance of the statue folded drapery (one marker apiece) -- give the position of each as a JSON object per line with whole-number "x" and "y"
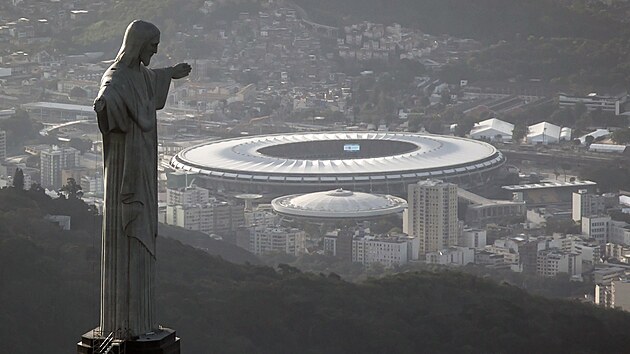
{"x": 126, "y": 107}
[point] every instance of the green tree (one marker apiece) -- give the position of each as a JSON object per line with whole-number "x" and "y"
{"x": 621, "y": 136}
{"x": 18, "y": 179}
{"x": 72, "y": 189}
{"x": 519, "y": 132}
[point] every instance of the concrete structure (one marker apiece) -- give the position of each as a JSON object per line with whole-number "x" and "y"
{"x": 621, "y": 294}
{"x": 549, "y": 193}
{"x": 388, "y": 251}
{"x": 551, "y": 262}
{"x": 596, "y": 227}
{"x": 52, "y": 161}
{"x": 93, "y": 184}
{"x": 432, "y": 215}
{"x": 481, "y": 210}
{"x": 211, "y": 218}
{"x": 586, "y": 204}
{"x": 360, "y": 161}
{"x": 338, "y": 204}
{"x": 492, "y": 129}
{"x": 187, "y": 196}
{"x": 339, "y": 243}
{"x": 261, "y": 215}
{"x": 59, "y": 112}
{"x": 473, "y": 238}
{"x": 458, "y": 256}
{"x": 593, "y": 102}
{"x": 277, "y": 239}
{"x": 543, "y": 133}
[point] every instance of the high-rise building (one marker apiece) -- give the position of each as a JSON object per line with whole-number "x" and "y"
{"x": 586, "y": 204}
{"x": 277, "y": 239}
{"x": 52, "y": 161}
{"x": 187, "y": 196}
{"x": 211, "y": 218}
{"x": 432, "y": 215}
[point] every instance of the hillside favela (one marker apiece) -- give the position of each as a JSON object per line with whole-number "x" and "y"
{"x": 314, "y": 176}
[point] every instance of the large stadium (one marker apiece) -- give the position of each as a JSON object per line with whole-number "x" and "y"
{"x": 384, "y": 162}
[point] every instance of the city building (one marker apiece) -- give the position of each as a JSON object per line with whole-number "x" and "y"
{"x": 277, "y": 239}
{"x": 552, "y": 262}
{"x": 187, "y": 195}
{"x": 388, "y": 251}
{"x": 457, "y": 256}
{"x": 338, "y": 243}
{"x": 261, "y": 215}
{"x": 53, "y": 161}
{"x": 93, "y": 184}
{"x": 587, "y": 204}
{"x": 473, "y": 238}
{"x": 597, "y": 227}
{"x": 593, "y": 102}
{"x": 480, "y": 210}
{"x": 432, "y": 215}
{"x": 219, "y": 218}
{"x": 59, "y": 112}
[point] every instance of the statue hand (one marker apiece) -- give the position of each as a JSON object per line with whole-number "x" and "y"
{"x": 181, "y": 70}
{"x": 99, "y": 104}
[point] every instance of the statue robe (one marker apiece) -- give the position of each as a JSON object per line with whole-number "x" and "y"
{"x": 129, "y": 128}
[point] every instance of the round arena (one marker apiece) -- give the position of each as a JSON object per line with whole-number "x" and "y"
{"x": 383, "y": 162}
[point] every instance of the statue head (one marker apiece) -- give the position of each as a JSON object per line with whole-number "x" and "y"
{"x": 140, "y": 43}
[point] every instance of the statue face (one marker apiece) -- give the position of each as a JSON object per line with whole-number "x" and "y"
{"x": 148, "y": 50}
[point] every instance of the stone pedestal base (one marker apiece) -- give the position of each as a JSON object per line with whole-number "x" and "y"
{"x": 163, "y": 341}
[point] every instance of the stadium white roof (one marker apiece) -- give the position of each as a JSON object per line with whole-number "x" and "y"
{"x": 432, "y": 156}
{"x": 338, "y": 204}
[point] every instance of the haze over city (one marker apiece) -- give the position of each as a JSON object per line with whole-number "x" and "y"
{"x": 314, "y": 176}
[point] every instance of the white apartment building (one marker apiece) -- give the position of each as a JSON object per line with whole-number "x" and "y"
{"x": 198, "y": 217}
{"x": 619, "y": 233}
{"x": 388, "y": 251}
{"x": 262, "y": 215}
{"x": 210, "y": 218}
{"x": 277, "y": 239}
{"x": 596, "y": 227}
{"x": 551, "y": 262}
{"x": 93, "y": 184}
{"x": 473, "y": 238}
{"x": 432, "y": 215}
{"x": 187, "y": 196}
{"x": 52, "y": 161}
{"x": 459, "y": 256}
{"x": 587, "y": 204}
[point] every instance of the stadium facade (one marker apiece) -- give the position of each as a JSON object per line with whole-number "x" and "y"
{"x": 379, "y": 162}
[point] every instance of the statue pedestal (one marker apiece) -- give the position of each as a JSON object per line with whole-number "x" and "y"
{"x": 163, "y": 341}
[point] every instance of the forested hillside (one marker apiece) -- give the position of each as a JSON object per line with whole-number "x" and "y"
{"x": 49, "y": 281}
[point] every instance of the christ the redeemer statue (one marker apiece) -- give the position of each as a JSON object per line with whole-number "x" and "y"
{"x": 126, "y": 107}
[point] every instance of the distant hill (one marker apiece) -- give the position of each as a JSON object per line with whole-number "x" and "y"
{"x": 479, "y": 19}
{"x": 50, "y": 278}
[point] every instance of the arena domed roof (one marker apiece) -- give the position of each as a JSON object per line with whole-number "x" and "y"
{"x": 338, "y": 203}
